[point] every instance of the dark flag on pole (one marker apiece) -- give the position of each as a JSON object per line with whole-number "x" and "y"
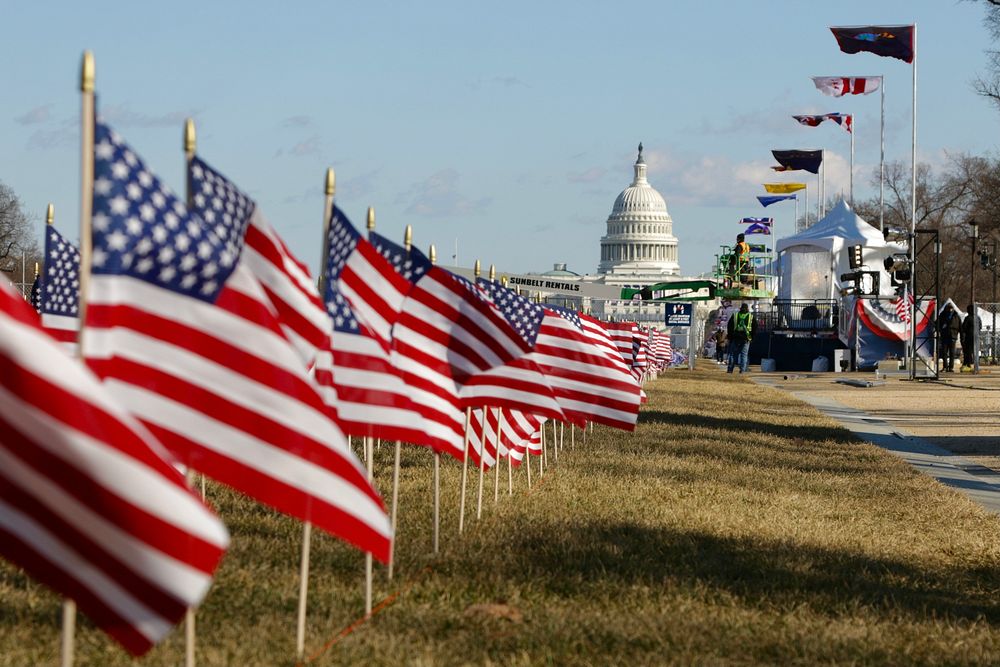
{"x": 794, "y": 160}
{"x": 893, "y": 41}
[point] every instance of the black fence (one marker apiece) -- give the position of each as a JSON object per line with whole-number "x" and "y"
{"x": 806, "y": 315}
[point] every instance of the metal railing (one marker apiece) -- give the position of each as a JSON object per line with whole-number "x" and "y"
{"x": 798, "y": 315}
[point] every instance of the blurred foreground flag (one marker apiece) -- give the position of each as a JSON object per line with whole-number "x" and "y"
{"x": 838, "y": 86}
{"x": 893, "y": 41}
{"x": 185, "y": 335}
{"x": 89, "y": 504}
{"x": 59, "y": 290}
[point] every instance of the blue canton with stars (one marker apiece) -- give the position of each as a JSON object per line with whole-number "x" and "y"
{"x": 526, "y": 317}
{"x": 141, "y": 229}
{"x": 61, "y": 279}
{"x": 225, "y": 210}
{"x": 412, "y": 265}
{"x": 342, "y": 241}
{"x": 567, "y": 314}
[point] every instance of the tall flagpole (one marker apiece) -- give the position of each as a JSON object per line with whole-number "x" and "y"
{"x": 852, "y": 128}
{"x": 913, "y": 220}
{"x": 881, "y": 166}
{"x": 87, "y": 116}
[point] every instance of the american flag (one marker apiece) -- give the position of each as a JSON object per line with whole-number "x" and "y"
{"x": 622, "y": 335}
{"x": 285, "y": 280}
{"x": 520, "y": 432}
{"x": 640, "y": 350}
{"x": 185, "y": 335}
{"x": 902, "y": 305}
{"x": 447, "y": 333}
{"x": 589, "y": 385}
{"x": 89, "y": 504}
{"x": 599, "y": 334}
{"x": 371, "y": 399}
{"x": 662, "y": 349}
{"x": 35, "y": 296}
{"x": 60, "y": 290}
{"x": 519, "y": 384}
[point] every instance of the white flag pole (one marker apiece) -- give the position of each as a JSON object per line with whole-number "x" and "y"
{"x": 496, "y": 466}
{"x": 432, "y": 256}
{"x": 482, "y": 466}
{"x": 527, "y": 461}
{"x": 87, "y": 120}
{"x": 465, "y": 471}
{"x": 913, "y": 220}
{"x": 395, "y": 505}
{"x": 881, "y": 164}
{"x": 370, "y": 468}
{"x": 853, "y": 127}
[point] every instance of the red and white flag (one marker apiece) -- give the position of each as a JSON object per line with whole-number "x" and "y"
{"x": 447, "y": 333}
{"x": 367, "y": 391}
{"x": 89, "y": 503}
{"x": 185, "y": 335}
{"x": 838, "y": 86}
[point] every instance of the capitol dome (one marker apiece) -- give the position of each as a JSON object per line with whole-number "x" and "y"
{"x": 639, "y": 239}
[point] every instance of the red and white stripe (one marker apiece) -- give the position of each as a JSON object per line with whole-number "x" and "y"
{"x": 838, "y": 86}
{"x": 369, "y": 396}
{"x": 89, "y": 504}
{"x": 65, "y": 329}
{"x": 289, "y": 287}
{"x": 519, "y": 434}
{"x": 220, "y": 385}
{"x": 588, "y": 384}
{"x": 446, "y": 334}
{"x": 374, "y": 289}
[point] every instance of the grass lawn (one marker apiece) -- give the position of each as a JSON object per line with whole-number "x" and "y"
{"x": 736, "y": 526}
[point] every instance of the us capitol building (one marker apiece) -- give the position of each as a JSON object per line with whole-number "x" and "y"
{"x": 639, "y": 249}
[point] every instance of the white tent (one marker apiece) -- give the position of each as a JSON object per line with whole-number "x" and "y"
{"x": 811, "y": 262}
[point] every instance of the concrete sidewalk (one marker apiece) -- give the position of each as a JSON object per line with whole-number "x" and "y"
{"x": 979, "y": 483}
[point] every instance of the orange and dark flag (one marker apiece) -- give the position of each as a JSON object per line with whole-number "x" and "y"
{"x": 892, "y": 41}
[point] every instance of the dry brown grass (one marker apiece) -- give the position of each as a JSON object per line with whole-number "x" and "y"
{"x": 736, "y": 526}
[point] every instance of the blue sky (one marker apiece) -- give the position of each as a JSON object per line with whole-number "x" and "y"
{"x": 508, "y": 126}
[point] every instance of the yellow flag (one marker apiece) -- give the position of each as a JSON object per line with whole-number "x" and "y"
{"x": 784, "y": 188}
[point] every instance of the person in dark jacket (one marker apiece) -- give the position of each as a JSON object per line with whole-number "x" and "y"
{"x": 720, "y": 344}
{"x": 740, "y": 332}
{"x": 971, "y": 326}
{"x": 950, "y": 328}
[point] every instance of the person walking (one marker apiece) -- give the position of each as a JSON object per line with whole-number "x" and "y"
{"x": 740, "y": 332}
{"x": 971, "y": 326}
{"x": 720, "y": 344}
{"x": 949, "y": 328}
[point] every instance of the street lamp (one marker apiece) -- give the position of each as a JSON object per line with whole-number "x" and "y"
{"x": 974, "y": 310}
{"x": 988, "y": 260}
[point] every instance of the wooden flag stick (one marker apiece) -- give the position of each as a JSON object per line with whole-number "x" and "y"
{"x": 300, "y": 624}
{"x": 510, "y": 472}
{"x": 432, "y": 256}
{"x": 395, "y": 498}
{"x": 562, "y": 434}
{"x": 527, "y": 464}
{"x": 482, "y": 466}
{"x": 542, "y": 460}
{"x": 87, "y": 119}
{"x": 370, "y": 466}
{"x": 496, "y": 464}
{"x": 572, "y": 436}
{"x": 555, "y": 441}
{"x": 465, "y": 471}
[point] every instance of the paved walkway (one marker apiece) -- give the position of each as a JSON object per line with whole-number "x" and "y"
{"x": 979, "y": 483}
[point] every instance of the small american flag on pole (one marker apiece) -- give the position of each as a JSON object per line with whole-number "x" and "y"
{"x": 60, "y": 290}
{"x": 184, "y": 334}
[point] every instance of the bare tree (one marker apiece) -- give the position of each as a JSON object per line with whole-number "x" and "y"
{"x": 988, "y": 85}
{"x": 18, "y": 247}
